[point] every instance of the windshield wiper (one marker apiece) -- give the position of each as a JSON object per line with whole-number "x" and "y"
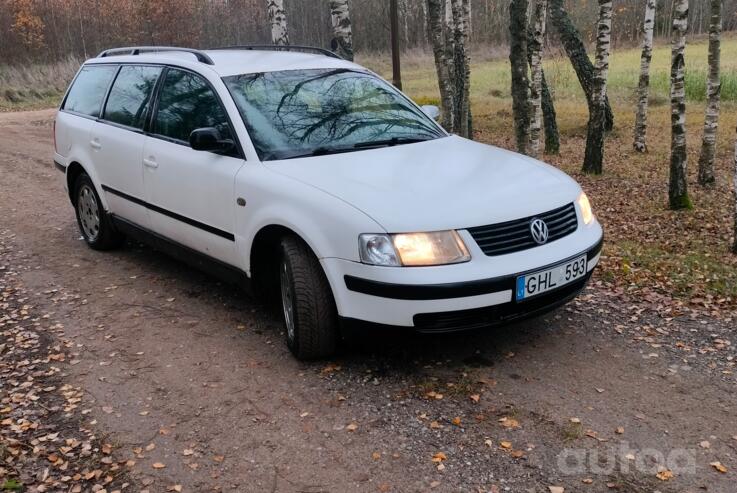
{"x": 390, "y": 142}
{"x": 318, "y": 151}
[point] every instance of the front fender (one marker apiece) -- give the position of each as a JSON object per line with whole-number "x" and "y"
{"x": 326, "y": 223}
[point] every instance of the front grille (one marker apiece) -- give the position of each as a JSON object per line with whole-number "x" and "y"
{"x": 515, "y": 236}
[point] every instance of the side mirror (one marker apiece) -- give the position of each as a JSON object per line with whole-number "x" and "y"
{"x": 209, "y": 139}
{"x": 431, "y": 110}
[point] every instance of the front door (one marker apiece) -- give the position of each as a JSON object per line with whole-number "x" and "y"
{"x": 190, "y": 193}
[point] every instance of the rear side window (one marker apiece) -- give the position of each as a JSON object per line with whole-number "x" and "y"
{"x": 186, "y": 102}
{"x": 130, "y": 95}
{"x": 89, "y": 89}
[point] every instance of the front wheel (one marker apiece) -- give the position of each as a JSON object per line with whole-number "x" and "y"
{"x": 94, "y": 224}
{"x": 310, "y": 316}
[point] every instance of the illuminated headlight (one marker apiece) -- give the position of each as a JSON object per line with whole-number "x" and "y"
{"x": 586, "y": 213}
{"x": 413, "y": 249}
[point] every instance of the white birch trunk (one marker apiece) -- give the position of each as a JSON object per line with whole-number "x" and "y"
{"x": 341, "y": 19}
{"x": 594, "y": 158}
{"x": 436, "y": 26}
{"x": 713, "y": 89}
{"x": 461, "y": 68}
{"x": 678, "y": 187}
{"x": 536, "y": 67}
{"x": 643, "y": 88}
{"x": 278, "y": 21}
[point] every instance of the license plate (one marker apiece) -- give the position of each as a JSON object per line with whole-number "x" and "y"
{"x": 536, "y": 283}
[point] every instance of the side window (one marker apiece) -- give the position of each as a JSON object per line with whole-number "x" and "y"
{"x": 130, "y": 95}
{"x": 89, "y": 89}
{"x": 186, "y": 103}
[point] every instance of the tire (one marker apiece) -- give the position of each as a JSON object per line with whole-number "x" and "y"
{"x": 308, "y": 306}
{"x": 94, "y": 223}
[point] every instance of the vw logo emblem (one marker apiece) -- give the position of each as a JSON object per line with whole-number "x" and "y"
{"x": 539, "y": 231}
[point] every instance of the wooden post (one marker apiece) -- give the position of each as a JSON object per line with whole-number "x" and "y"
{"x": 396, "y": 69}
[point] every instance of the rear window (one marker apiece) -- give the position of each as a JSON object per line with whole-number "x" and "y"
{"x": 130, "y": 95}
{"x": 89, "y": 89}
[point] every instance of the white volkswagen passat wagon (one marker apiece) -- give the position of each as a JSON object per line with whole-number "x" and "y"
{"x": 316, "y": 182}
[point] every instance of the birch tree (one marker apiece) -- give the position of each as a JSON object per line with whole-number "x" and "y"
{"x": 550, "y": 119}
{"x": 278, "y": 21}
{"x": 594, "y": 157}
{"x": 643, "y": 87}
{"x": 678, "y": 187}
{"x": 536, "y": 75}
{"x": 713, "y": 89}
{"x": 435, "y": 26}
{"x": 448, "y": 28}
{"x": 461, "y": 69}
{"x": 520, "y": 80}
{"x": 342, "y": 31}
{"x": 576, "y": 50}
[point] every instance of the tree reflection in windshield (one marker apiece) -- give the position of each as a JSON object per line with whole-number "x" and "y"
{"x": 299, "y": 112}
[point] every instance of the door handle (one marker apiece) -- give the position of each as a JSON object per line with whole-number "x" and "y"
{"x": 95, "y": 144}
{"x": 150, "y": 163}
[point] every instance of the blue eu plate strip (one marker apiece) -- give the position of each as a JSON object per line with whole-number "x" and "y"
{"x": 520, "y": 287}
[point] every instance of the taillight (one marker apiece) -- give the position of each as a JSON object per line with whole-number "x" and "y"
{"x": 53, "y": 130}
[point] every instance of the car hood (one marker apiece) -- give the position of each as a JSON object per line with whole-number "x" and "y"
{"x": 447, "y": 183}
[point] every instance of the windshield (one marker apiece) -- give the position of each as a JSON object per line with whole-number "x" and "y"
{"x": 299, "y": 113}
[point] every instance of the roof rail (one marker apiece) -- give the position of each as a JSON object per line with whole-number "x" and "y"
{"x": 137, "y": 50}
{"x": 306, "y": 49}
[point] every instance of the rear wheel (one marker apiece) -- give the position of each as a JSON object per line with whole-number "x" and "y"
{"x": 94, "y": 224}
{"x": 310, "y": 316}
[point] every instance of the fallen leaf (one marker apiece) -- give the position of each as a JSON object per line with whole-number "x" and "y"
{"x": 475, "y": 397}
{"x": 517, "y": 454}
{"x": 352, "y": 427}
{"x": 158, "y": 465}
{"x": 456, "y": 421}
{"x": 718, "y": 466}
{"x": 704, "y": 444}
{"x": 187, "y": 451}
{"x": 376, "y": 456}
{"x": 664, "y": 475}
{"x": 505, "y": 444}
{"x": 175, "y": 487}
{"x": 556, "y": 489}
{"x": 439, "y": 457}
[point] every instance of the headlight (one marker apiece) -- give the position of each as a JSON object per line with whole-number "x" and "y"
{"x": 586, "y": 213}
{"x": 413, "y": 249}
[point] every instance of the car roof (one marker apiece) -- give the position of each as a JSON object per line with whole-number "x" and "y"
{"x": 226, "y": 62}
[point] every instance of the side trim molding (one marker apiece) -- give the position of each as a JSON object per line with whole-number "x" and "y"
{"x": 173, "y": 215}
{"x": 183, "y": 253}
{"x": 60, "y": 166}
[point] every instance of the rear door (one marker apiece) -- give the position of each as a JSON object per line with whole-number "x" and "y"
{"x": 117, "y": 140}
{"x": 191, "y": 193}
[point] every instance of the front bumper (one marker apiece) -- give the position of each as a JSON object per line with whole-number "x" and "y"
{"x": 444, "y": 300}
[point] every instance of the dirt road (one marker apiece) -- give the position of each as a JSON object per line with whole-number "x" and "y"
{"x": 171, "y": 357}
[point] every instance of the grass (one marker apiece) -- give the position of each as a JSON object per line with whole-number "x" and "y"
{"x": 680, "y": 255}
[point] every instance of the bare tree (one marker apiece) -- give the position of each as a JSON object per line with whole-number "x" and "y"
{"x": 520, "y": 80}
{"x": 550, "y": 119}
{"x": 448, "y": 29}
{"x": 341, "y": 19}
{"x": 594, "y": 157}
{"x": 535, "y": 48}
{"x": 461, "y": 69}
{"x": 576, "y": 51}
{"x": 643, "y": 87}
{"x": 278, "y": 21}
{"x": 678, "y": 188}
{"x": 713, "y": 89}
{"x": 435, "y": 27}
